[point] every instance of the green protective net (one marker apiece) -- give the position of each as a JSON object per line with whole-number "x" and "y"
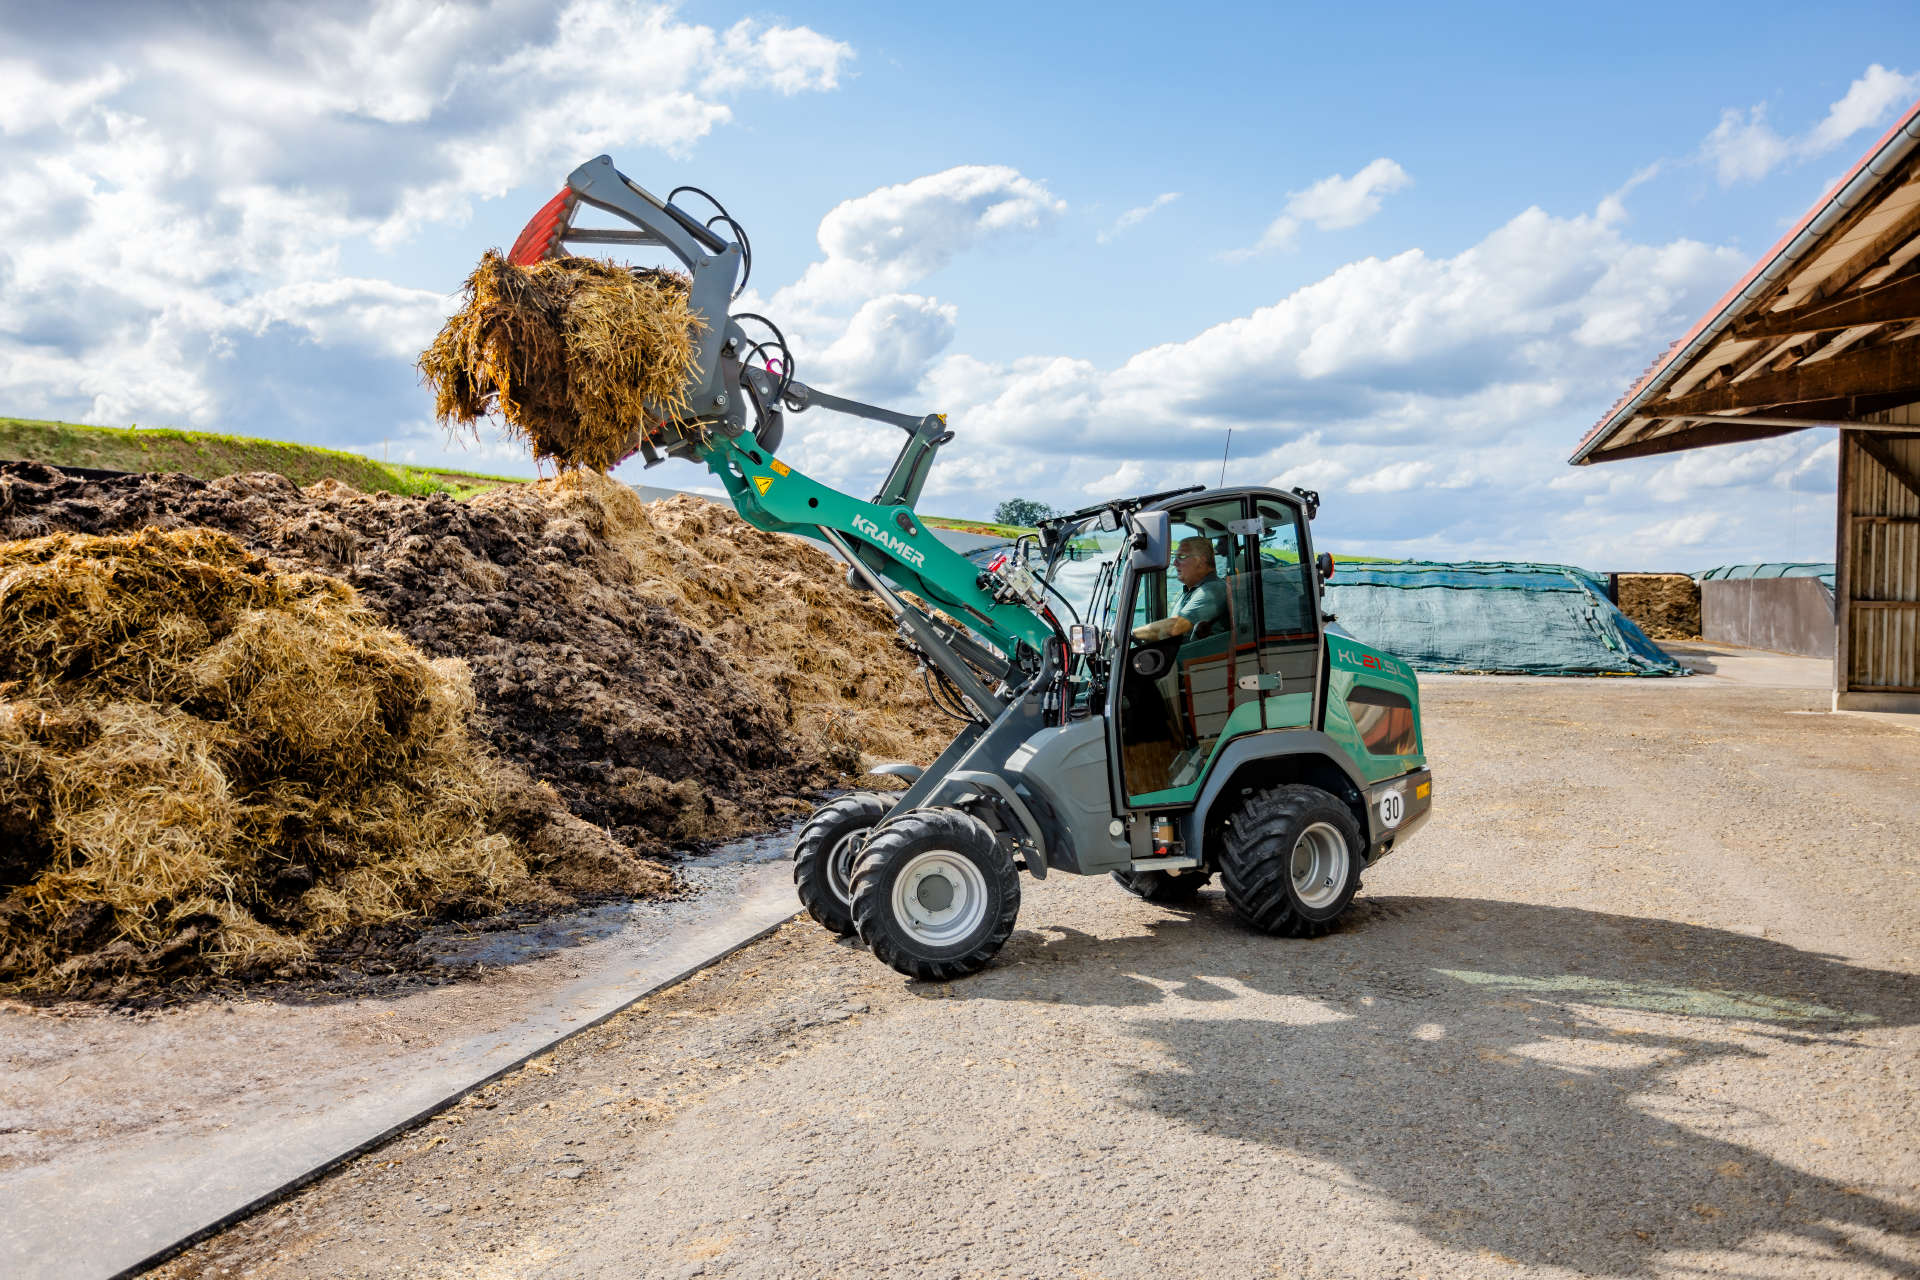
{"x": 1773, "y": 569}
{"x": 1506, "y": 617}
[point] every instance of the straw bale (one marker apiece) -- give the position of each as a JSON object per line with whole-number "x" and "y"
{"x": 573, "y": 354}
{"x": 1665, "y": 605}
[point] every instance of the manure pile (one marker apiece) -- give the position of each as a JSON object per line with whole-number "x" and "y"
{"x": 210, "y": 763}
{"x": 676, "y": 675}
{"x": 1665, "y": 605}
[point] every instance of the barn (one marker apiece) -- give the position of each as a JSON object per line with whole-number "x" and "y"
{"x": 1821, "y": 332}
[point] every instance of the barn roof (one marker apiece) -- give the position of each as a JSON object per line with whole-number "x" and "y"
{"x": 1820, "y": 332}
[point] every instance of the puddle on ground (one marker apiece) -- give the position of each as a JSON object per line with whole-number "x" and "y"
{"x": 714, "y": 878}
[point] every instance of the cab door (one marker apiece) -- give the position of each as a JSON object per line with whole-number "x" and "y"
{"x": 1290, "y": 628}
{"x": 1182, "y": 693}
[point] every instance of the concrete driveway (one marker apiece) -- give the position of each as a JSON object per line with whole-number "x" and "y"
{"x": 1641, "y": 1000}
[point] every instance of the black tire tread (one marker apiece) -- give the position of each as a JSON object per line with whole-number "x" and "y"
{"x": 956, "y": 830}
{"x": 1256, "y": 858}
{"x": 822, "y": 830}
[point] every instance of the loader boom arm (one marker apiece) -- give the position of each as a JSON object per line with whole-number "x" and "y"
{"x": 733, "y": 420}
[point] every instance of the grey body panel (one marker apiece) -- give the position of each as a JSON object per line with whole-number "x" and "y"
{"x": 1067, "y": 767}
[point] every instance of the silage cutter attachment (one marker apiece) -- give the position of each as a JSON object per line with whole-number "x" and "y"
{"x": 740, "y": 384}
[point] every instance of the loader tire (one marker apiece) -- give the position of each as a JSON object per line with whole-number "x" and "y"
{"x": 823, "y": 855}
{"x": 1158, "y": 886}
{"x": 1291, "y": 861}
{"x": 935, "y": 895}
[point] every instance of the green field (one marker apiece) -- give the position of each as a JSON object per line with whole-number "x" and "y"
{"x": 207, "y": 455}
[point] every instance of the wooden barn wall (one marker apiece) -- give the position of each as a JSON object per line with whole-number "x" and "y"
{"x": 1882, "y": 569}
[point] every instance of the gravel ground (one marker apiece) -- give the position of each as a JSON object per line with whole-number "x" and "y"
{"x": 1640, "y": 1000}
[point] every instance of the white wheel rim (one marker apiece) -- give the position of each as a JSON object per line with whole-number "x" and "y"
{"x": 840, "y": 863}
{"x": 940, "y": 897}
{"x": 1319, "y": 866}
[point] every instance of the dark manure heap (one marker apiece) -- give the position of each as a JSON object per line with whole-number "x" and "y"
{"x": 668, "y": 675}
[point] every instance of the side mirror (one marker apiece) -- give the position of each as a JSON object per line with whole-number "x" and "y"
{"x": 1152, "y": 534}
{"x": 1324, "y": 563}
{"x": 1082, "y": 639}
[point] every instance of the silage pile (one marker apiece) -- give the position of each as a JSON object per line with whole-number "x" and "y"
{"x": 573, "y": 354}
{"x": 1665, "y": 605}
{"x": 676, "y": 675}
{"x": 209, "y": 762}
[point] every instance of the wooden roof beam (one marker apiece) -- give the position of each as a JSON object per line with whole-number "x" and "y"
{"x": 1876, "y": 448}
{"x": 1899, "y": 300}
{"x": 1877, "y": 250}
{"x": 1894, "y": 367}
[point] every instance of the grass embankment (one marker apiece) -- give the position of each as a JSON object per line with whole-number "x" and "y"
{"x": 208, "y": 455}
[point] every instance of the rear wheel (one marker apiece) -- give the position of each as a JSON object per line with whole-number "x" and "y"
{"x": 935, "y": 895}
{"x": 1291, "y": 861}
{"x": 823, "y": 855}
{"x": 1163, "y": 886}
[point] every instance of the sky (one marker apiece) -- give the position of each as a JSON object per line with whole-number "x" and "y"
{"x": 1405, "y": 255}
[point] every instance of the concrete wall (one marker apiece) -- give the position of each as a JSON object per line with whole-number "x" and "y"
{"x": 1786, "y": 615}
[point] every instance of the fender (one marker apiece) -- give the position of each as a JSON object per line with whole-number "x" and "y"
{"x": 1270, "y": 745}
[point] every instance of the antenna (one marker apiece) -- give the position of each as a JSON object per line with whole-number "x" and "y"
{"x": 1223, "y": 458}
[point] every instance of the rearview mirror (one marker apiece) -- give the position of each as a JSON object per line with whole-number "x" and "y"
{"x": 1325, "y": 564}
{"x": 1082, "y": 639}
{"x": 1152, "y": 532}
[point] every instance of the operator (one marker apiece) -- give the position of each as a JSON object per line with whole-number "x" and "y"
{"x": 1202, "y": 607}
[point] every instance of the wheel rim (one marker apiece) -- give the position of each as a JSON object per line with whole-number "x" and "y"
{"x": 1319, "y": 866}
{"x": 840, "y": 864}
{"x": 940, "y": 897}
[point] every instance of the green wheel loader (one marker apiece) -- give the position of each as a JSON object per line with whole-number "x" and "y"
{"x": 1148, "y": 688}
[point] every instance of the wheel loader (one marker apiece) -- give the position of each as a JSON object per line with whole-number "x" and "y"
{"x": 1147, "y": 688}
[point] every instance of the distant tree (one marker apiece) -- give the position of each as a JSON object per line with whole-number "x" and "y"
{"x": 1022, "y": 512}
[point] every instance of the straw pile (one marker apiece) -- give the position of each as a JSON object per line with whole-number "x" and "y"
{"x": 207, "y": 763}
{"x": 573, "y": 354}
{"x": 675, "y": 675}
{"x": 1665, "y": 605}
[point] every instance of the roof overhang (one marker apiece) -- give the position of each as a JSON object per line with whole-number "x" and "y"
{"x": 1819, "y": 333}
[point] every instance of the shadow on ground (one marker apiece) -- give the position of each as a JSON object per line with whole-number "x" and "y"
{"x": 1450, "y": 1058}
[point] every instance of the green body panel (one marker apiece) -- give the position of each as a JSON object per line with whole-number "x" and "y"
{"x": 1283, "y": 710}
{"x": 1350, "y": 663}
{"x": 772, "y": 496}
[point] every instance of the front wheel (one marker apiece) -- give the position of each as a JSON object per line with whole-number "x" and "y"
{"x": 935, "y": 895}
{"x": 823, "y": 855}
{"x": 1291, "y": 861}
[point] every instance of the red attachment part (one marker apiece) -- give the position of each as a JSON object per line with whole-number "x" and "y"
{"x": 998, "y": 563}
{"x": 541, "y": 238}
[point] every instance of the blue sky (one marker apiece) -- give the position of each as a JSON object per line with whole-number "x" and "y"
{"x": 1407, "y": 256}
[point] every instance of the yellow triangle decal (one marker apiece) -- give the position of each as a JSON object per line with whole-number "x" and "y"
{"x": 763, "y": 483}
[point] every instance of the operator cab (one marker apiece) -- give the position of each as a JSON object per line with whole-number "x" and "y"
{"x": 1174, "y": 701}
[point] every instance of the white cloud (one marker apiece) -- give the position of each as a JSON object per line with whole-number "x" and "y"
{"x": 1681, "y": 531}
{"x": 175, "y": 198}
{"x": 1130, "y": 477}
{"x": 1724, "y": 467}
{"x": 1743, "y": 147}
{"x": 886, "y": 348}
{"x": 1394, "y": 478}
{"x": 899, "y": 235}
{"x": 1133, "y": 217}
{"x": 1330, "y": 204}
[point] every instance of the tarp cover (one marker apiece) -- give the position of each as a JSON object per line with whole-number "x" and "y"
{"x": 1774, "y": 569}
{"x": 1493, "y": 616}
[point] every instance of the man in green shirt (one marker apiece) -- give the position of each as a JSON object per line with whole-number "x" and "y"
{"x": 1202, "y": 607}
